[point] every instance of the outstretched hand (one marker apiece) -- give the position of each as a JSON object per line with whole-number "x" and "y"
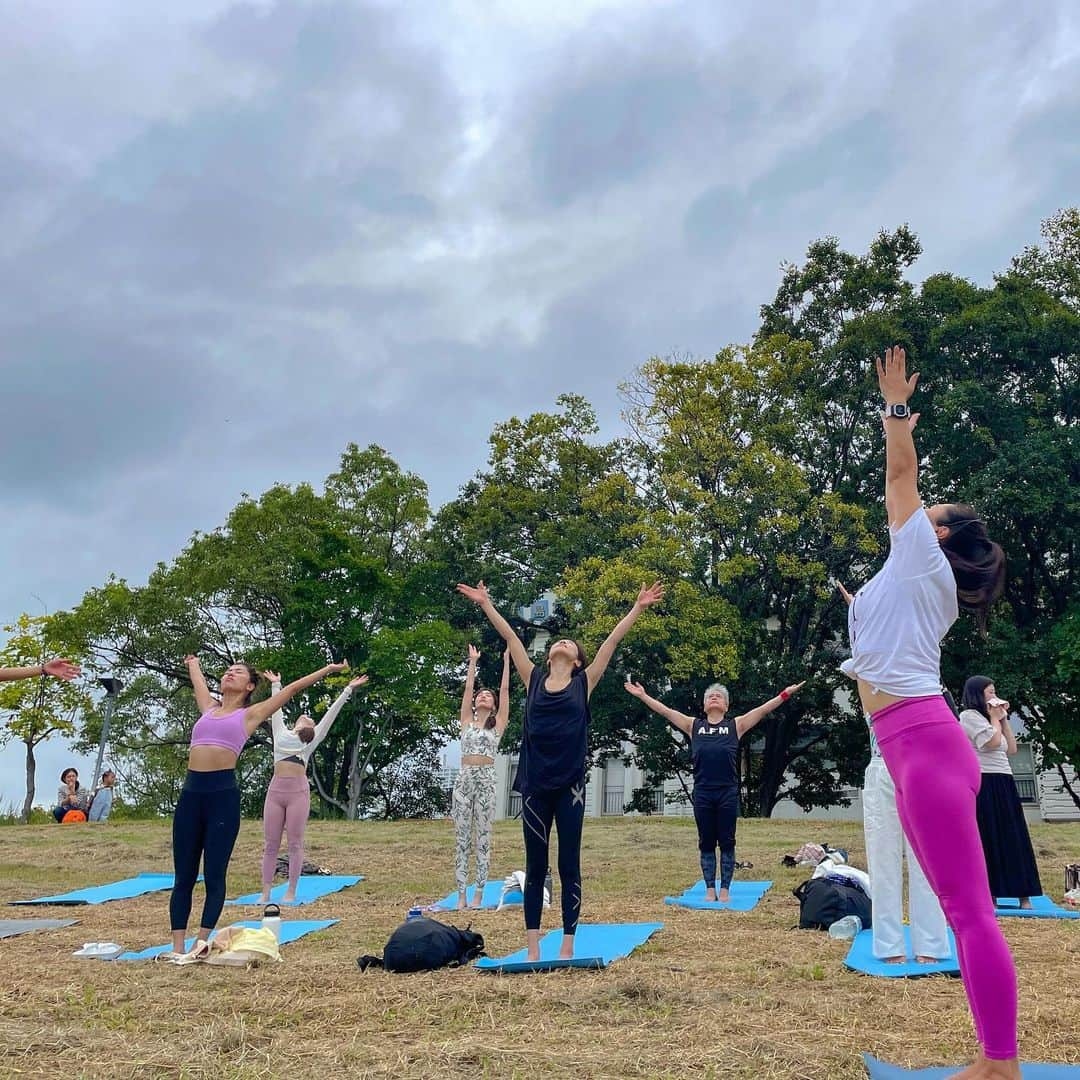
{"x": 653, "y": 594}
{"x": 62, "y": 669}
{"x": 270, "y": 676}
{"x": 789, "y": 690}
{"x": 634, "y": 688}
{"x": 474, "y": 654}
{"x": 892, "y": 376}
{"x": 335, "y": 668}
{"x": 848, "y": 598}
{"x": 477, "y": 593}
{"x": 359, "y": 681}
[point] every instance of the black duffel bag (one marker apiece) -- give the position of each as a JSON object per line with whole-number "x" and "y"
{"x": 823, "y": 902}
{"x": 424, "y": 945}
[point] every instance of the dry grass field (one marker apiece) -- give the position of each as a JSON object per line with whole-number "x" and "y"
{"x": 714, "y": 994}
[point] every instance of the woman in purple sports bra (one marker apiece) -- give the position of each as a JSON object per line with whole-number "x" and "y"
{"x": 207, "y": 818}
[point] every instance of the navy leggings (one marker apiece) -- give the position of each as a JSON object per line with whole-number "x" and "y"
{"x": 716, "y": 813}
{"x": 205, "y": 827}
{"x": 566, "y": 808}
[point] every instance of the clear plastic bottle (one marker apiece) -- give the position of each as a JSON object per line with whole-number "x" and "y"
{"x": 846, "y": 928}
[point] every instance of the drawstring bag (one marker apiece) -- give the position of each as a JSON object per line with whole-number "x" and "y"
{"x": 426, "y": 945}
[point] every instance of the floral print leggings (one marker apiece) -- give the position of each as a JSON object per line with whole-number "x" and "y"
{"x": 473, "y": 808}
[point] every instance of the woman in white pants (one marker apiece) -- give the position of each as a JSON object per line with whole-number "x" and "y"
{"x": 885, "y": 849}
{"x": 886, "y": 846}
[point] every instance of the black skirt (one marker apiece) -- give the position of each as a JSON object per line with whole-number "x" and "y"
{"x": 1010, "y": 860}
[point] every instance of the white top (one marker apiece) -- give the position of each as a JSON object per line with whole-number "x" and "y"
{"x": 980, "y": 731}
{"x": 288, "y": 744}
{"x": 897, "y": 619}
{"x": 478, "y": 741}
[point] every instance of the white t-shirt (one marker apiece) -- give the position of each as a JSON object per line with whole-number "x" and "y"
{"x": 980, "y": 731}
{"x": 898, "y": 618}
{"x": 288, "y": 744}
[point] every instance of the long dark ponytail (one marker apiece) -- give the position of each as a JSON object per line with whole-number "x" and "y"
{"x": 978, "y": 564}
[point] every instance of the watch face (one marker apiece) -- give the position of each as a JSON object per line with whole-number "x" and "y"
{"x": 900, "y": 411}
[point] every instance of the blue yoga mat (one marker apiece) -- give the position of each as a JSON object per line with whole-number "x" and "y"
{"x": 744, "y": 897}
{"x": 291, "y": 929}
{"x": 117, "y": 890}
{"x": 490, "y": 899}
{"x": 310, "y": 887}
{"x": 879, "y": 1070}
{"x": 1042, "y": 907}
{"x": 861, "y": 957}
{"x": 595, "y": 946}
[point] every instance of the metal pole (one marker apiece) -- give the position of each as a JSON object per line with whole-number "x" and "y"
{"x": 112, "y": 689}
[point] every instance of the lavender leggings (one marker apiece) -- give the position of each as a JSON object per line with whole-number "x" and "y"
{"x": 937, "y": 778}
{"x": 288, "y": 802}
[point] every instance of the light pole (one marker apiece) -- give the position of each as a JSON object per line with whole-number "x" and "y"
{"x": 112, "y": 690}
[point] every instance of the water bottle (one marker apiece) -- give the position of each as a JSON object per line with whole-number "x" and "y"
{"x": 846, "y": 928}
{"x": 271, "y": 920}
{"x": 414, "y": 913}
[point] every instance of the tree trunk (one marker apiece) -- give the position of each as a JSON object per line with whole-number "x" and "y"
{"x": 778, "y": 732}
{"x": 1074, "y": 795}
{"x": 31, "y": 775}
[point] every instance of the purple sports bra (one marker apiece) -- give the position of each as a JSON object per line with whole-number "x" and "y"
{"x": 225, "y": 731}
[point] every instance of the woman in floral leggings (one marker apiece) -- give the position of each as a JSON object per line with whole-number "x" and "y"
{"x": 483, "y": 720}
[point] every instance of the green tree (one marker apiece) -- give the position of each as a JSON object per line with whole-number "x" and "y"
{"x": 291, "y": 580}
{"x": 37, "y": 709}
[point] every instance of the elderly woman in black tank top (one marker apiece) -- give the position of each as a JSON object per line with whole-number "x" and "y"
{"x": 552, "y": 761}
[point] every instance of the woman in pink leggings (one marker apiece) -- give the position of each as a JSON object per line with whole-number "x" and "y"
{"x": 288, "y": 799}
{"x": 940, "y": 560}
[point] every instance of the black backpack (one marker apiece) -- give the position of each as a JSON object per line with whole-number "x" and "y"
{"x": 823, "y": 902}
{"x": 424, "y": 945}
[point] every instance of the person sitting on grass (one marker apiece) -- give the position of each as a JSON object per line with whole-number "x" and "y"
{"x": 70, "y": 796}
{"x": 101, "y": 803}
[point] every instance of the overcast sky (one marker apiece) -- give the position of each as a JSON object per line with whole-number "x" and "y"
{"x": 234, "y": 237}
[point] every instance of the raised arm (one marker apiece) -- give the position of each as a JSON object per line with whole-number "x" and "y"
{"x": 646, "y": 598}
{"x": 322, "y": 728}
{"x": 901, "y": 461}
{"x": 502, "y": 717}
{"x": 277, "y": 721}
{"x": 203, "y": 698}
{"x": 263, "y": 710}
{"x": 470, "y": 684}
{"x": 478, "y": 594}
{"x": 58, "y": 669}
{"x": 750, "y": 719}
{"x": 680, "y": 720}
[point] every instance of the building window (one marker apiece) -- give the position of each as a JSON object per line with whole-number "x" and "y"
{"x": 613, "y": 800}
{"x": 1023, "y": 768}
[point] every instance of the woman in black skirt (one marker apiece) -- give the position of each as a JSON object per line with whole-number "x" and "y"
{"x": 1010, "y": 860}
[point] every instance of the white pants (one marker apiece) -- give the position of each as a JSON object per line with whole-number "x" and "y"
{"x": 885, "y": 847}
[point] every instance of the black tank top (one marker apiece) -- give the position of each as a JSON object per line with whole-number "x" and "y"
{"x": 715, "y": 750}
{"x": 555, "y": 740}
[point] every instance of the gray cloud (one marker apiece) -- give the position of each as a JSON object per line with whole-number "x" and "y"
{"x": 234, "y": 240}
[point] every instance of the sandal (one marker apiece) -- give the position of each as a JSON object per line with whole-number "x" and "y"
{"x": 199, "y": 953}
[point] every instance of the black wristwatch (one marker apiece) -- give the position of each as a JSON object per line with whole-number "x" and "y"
{"x": 898, "y": 411}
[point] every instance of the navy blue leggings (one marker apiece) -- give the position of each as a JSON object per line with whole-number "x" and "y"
{"x": 566, "y": 808}
{"x": 716, "y": 813}
{"x": 205, "y": 827}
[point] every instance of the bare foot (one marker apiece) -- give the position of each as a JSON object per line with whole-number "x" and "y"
{"x": 533, "y": 939}
{"x": 894, "y": 960}
{"x": 566, "y": 952}
{"x": 476, "y": 901}
{"x": 931, "y": 959}
{"x": 710, "y": 895}
{"x": 724, "y": 896}
{"x": 289, "y": 898}
{"x": 984, "y": 1068}
{"x": 265, "y": 898}
{"x": 461, "y": 901}
{"x": 1025, "y": 903}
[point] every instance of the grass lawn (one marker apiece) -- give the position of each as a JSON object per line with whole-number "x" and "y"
{"x": 714, "y": 994}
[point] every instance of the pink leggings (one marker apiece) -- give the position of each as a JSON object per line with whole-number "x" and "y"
{"x": 288, "y": 802}
{"x": 937, "y": 778}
